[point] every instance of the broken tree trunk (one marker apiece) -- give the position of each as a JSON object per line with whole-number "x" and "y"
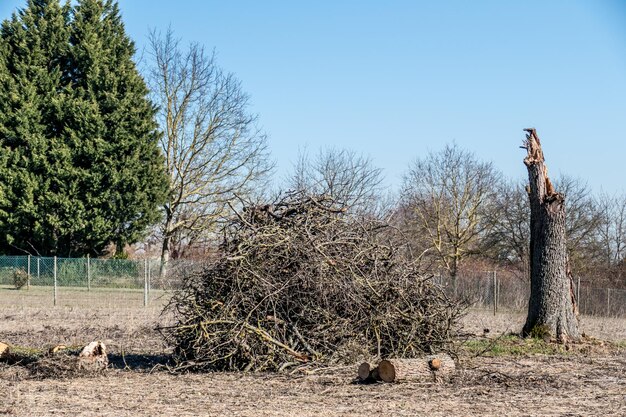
{"x": 551, "y": 307}
{"x": 429, "y": 368}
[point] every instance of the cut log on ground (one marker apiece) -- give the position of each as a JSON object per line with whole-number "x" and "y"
{"x": 4, "y": 350}
{"x": 368, "y": 372}
{"x": 430, "y": 368}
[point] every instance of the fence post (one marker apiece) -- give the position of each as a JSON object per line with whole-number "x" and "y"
{"x": 54, "y": 273}
{"x": 149, "y": 277}
{"x": 608, "y": 302}
{"x": 145, "y": 283}
{"x": 499, "y": 287}
{"x": 495, "y": 293}
{"x": 28, "y": 274}
{"x": 38, "y": 259}
{"x": 88, "y": 273}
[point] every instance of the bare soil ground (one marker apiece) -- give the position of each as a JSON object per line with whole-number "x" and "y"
{"x": 586, "y": 380}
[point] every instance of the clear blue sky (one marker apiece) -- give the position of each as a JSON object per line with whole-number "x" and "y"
{"x": 394, "y": 79}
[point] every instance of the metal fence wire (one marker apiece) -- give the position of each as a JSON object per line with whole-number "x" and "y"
{"x": 87, "y": 281}
{"x": 502, "y": 290}
{"x": 123, "y": 283}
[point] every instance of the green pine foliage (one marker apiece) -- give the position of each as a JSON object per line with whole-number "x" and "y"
{"x": 80, "y": 165}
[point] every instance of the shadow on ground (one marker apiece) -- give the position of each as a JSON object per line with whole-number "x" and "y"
{"x": 138, "y": 362}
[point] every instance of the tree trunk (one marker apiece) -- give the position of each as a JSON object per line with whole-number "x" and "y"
{"x": 551, "y": 308}
{"x": 119, "y": 249}
{"x": 165, "y": 256}
{"x": 167, "y": 242}
{"x": 453, "y": 275}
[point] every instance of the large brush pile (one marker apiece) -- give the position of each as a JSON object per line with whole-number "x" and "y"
{"x": 301, "y": 281}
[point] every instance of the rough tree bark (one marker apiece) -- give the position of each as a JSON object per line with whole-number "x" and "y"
{"x": 552, "y": 306}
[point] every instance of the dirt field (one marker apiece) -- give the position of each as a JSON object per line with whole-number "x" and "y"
{"x": 587, "y": 379}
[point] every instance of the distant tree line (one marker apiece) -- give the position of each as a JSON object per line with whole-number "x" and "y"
{"x": 460, "y": 212}
{"x": 95, "y": 154}
{"x": 460, "y": 209}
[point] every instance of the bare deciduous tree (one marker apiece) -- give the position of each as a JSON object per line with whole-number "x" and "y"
{"x": 448, "y": 193}
{"x": 349, "y": 178}
{"x": 612, "y": 231}
{"x": 582, "y": 220}
{"x": 508, "y": 237}
{"x": 212, "y": 146}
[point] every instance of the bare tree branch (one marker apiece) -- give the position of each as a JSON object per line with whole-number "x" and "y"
{"x": 446, "y": 195}
{"x": 349, "y": 178}
{"x": 212, "y": 145}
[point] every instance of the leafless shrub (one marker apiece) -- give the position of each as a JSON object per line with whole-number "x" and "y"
{"x": 299, "y": 281}
{"x": 20, "y": 278}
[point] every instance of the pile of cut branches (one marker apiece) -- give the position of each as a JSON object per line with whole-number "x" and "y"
{"x": 302, "y": 281}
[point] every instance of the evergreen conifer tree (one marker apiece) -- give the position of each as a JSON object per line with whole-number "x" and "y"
{"x": 35, "y": 210}
{"x": 111, "y": 128}
{"x": 80, "y": 165}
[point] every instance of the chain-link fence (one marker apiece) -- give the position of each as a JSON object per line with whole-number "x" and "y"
{"x": 501, "y": 290}
{"x": 123, "y": 283}
{"x": 88, "y": 282}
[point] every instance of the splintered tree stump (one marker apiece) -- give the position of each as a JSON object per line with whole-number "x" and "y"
{"x": 430, "y": 368}
{"x": 93, "y": 357}
{"x": 552, "y": 304}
